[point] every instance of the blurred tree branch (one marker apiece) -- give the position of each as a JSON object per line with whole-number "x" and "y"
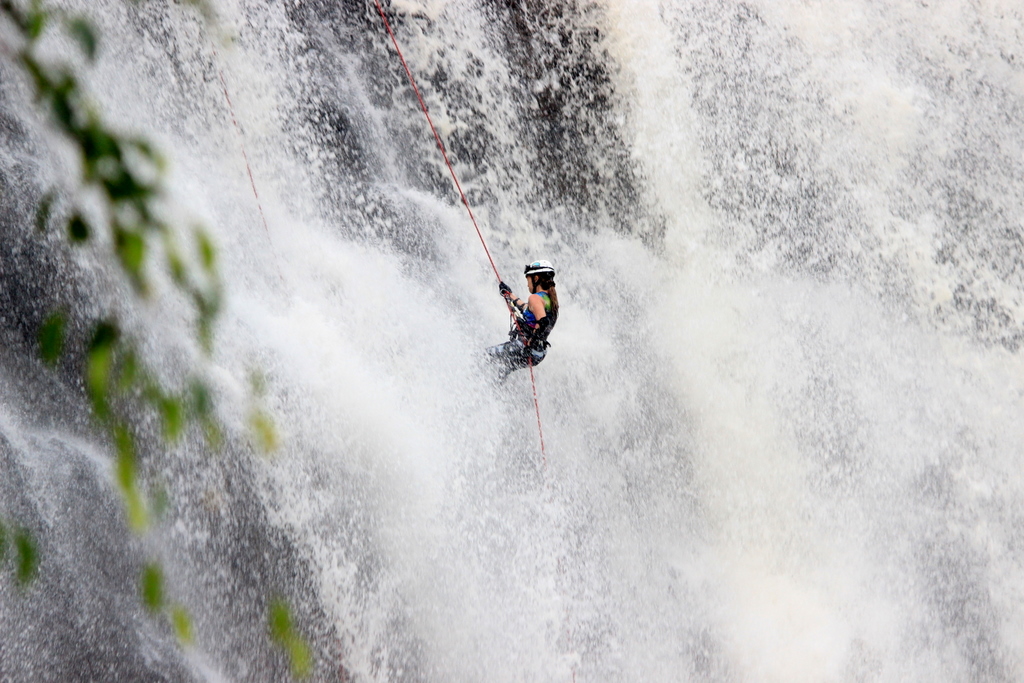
{"x": 127, "y": 173}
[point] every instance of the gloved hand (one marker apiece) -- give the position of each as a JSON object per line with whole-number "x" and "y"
{"x": 504, "y": 290}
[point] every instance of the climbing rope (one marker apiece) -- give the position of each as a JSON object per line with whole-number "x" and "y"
{"x": 241, "y": 137}
{"x": 437, "y": 138}
{"x": 465, "y": 202}
{"x": 245, "y": 157}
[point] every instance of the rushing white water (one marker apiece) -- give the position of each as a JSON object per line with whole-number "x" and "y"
{"x": 781, "y": 409}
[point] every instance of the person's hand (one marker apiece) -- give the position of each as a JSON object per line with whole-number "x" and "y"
{"x": 504, "y": 290}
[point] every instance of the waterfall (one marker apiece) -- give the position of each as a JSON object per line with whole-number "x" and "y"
{"x": 781, "y": 405}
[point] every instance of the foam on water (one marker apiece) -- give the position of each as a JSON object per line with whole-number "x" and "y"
{"x": 781, "y": 403}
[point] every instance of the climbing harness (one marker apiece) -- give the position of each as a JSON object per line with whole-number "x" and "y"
{"x": 465, "y": 202}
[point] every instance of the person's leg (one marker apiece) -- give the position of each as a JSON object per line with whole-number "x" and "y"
{"x": 510, "y": 356}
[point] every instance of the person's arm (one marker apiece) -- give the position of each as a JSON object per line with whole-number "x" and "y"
{"x": 506, "y": 292}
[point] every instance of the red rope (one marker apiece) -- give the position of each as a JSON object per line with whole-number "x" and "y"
{"x": 245, "y": 157}
{"x": 465, "y": 202}
{"x": 437, "y": 138}
{"x": 536, "y": 407}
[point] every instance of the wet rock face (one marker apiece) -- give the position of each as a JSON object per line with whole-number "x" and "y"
{"x": 568, "y": 106}
{"x": 526, "y": 99}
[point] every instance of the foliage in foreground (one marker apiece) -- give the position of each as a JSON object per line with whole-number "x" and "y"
{"x": 18, "y": 550}
{"x": 126, "y": 174}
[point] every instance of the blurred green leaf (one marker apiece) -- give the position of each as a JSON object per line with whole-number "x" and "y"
{"x": 121, "y": 185}
{"x": 51, "y": 338}
{"x": 176, "y": 266}
{"x": 280, "y": 621}
{"x": 82, "y": 31}
{"x": 207, "y": 252}
{"x": 208, "y": 305}
{"x": 126, "y": 474}
{"x": 125, "y": 445}
{"x": 202, "y": 406}
{"x": 205, "y": 333}
{"x": 182, "y": 624}
{"x": 173, "y": 414}
{"x": 45, "y": 210}
{"x": 37, "y": 18}
{"x": 212, "y": 432}
{"x": 78, "y": 229}
{"x": 138, "y": 517}
{"x": 100, "y": 150}
{"x": 98, "y": 366}
{"x": 129, "y": 371}
{"x": 202, "y": 402}
{"x": 63, "y": 106}
{"x": 3, "y": 542}
{"x": 264, "y": 431}
{"x": 150, "y": 154}
{"x": 105, "y": 335}
{"x": 28, "y": 557}
{"x": 145, "y": 150}
{"x": 39, "y": 78}
{"x": 151, "y": 390}
{"x": 152, "y": 584}
{"x": 283, "y": 633}
{"x": 301, "y": 658}
{"x": 131, "y": 249}
{"x": 97, "y": 379}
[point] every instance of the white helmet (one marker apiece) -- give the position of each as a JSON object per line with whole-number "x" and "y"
{"x": 539, "y": 267}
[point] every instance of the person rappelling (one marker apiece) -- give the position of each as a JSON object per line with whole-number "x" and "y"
{"x": 532, "y": 321}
